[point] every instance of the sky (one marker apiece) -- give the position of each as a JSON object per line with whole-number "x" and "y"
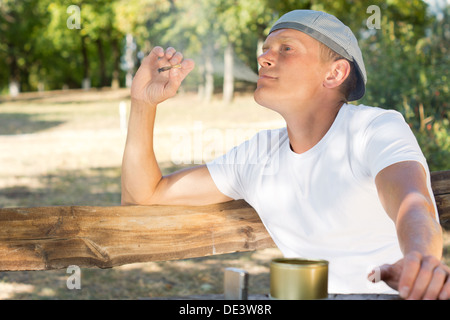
{"x": 437, "y": 5}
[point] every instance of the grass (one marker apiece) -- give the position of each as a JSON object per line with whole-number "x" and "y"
{"x": 65, "y": 148}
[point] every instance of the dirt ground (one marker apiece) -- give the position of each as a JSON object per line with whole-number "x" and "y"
{"x": 65, "y": 148}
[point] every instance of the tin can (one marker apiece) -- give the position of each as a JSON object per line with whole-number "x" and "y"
{"x": 298, "y": 279}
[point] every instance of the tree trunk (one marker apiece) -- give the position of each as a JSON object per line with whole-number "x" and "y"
{"x": 14, "y": 72}
{"x": 101, "y": 57}
{"x": 115, "y": 84}
{"x": 86, "y": 84}
{"x": 129, "y": 59}
{"x": 228, "y": 77}
{"x": 201, "y": 84}
{"x": 209, "y": 75}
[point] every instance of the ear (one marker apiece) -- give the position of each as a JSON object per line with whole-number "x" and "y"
{"x": 339, "y": 71}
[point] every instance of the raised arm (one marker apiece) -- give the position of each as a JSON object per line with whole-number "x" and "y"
{"x": 403, "y": 191}
{"x": 142, "y": 181}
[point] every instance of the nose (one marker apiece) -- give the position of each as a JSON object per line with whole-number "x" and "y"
{"x": 266, "y": 59}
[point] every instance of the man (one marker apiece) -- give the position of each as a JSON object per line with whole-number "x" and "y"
{"x": 341, "y": 182}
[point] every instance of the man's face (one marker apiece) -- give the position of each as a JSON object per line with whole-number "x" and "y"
{"x": 292, "y": 71}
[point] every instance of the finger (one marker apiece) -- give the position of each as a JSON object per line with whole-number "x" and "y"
{"x": 383, "y": 273}
{"x": 179, "y": 74}
{"x": 144, "y": 73}
{"x": 170, "y": 52}
{"x": 156, "y": 53}
{"x": 389, "y": 273}
{"x": 176, "y": 58}
{"x": 411, "y": 267}
{"x": 445, "y": 292}
{"x": 424, "y": 277}
{"x": 170, "y": 57}
{"x": 436, "y": 284}
{"x": 374, "y": 275}
{"x": 186, "y": 67}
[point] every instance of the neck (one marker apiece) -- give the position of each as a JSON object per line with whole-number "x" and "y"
{"x": 307, "y": 126}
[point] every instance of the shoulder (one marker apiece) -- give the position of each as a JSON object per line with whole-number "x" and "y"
{"x": 366, "y": 114}
{"x": 364, "y": 119}
{"x": 382, "y": 138}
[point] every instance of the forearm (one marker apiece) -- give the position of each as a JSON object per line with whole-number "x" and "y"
{"x": 417, "y": 227}
{"x": 140, "y": 171}
{"x": 141, "y": 175}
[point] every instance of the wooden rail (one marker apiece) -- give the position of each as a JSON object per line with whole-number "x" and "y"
{"x": 55, "y": 237}
{"x": 440, "y": 182}
{"x": 44, "y": 238}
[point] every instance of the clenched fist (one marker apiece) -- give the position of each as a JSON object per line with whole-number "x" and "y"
{"x": 152, "y": 87}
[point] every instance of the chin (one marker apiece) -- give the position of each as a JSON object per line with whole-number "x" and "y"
{"x": 272, "y": 101}
{"x": 264, "y": 99}
{"x": 258, "y": 99}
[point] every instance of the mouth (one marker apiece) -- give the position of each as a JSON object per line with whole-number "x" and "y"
{"x": 265, "y": 76}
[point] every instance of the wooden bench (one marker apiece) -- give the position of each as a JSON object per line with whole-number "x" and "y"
{"x": 44, "y": 238}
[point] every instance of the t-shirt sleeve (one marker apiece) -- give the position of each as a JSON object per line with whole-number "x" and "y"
{"x": 225, "y": 173}
{"x": 234, "y": 173}
{"x": 389, "y": 140}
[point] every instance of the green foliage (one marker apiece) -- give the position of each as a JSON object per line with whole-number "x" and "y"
{"x": 435, "y": 143}
{"x": 38, "y": 49}
{"x": 407, "y": 59}
{"x": 408, "y": 71}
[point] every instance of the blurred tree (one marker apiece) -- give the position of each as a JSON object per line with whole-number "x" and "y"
{"x": 99, "y": 39}
{"x": 407, "y": 58}
{"x": 190, "y": 26}
{"x": 20, "y": 24}
{"x": 136, "y": 20}
{"x": 410, "y": 72}
{"x": 41, "y": 51}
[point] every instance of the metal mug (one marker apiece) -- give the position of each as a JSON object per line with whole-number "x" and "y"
{"x": 298, "y": 279}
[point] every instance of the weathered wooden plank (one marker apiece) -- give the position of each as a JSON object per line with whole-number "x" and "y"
{"x": 443, "y": 205}
{"x": 56, "y": 237}
{"x": 440, "y": 182}
{"x": 44, "y": 238}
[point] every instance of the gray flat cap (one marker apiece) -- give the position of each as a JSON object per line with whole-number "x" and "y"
{"x": 334, "y": 34}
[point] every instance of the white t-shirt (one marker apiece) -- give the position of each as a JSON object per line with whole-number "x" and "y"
{"x": 323, "y": 203}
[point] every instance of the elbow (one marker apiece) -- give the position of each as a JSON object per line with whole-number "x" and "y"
{"x": 135, "y": 199}
{"x": 138, "y": 194}
{"x": 127, "y": 201}
{"x": 134, "y": 195}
